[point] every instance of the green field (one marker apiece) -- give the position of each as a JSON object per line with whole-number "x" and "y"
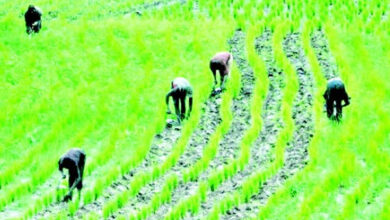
{"x": 95, "y": 77}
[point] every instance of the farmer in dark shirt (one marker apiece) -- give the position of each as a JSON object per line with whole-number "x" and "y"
{"x": 335, "y": 93}
{"x": 180, "y": 89}
{"x": 33, "y": 19}
{"x": 74, "y": 161}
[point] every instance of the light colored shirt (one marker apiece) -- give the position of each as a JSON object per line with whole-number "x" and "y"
{"x": 182, "y": 84}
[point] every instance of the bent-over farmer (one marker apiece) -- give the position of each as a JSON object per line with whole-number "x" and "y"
{"x": 74, "y": 161}
{"x": 33, "y": 19}
{"x": 180, "y": 89}
{"x": 221, "y": 62}
{"x": 335, "y": 93}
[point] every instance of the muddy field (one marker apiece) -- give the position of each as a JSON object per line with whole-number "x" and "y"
{"x": 262, "y": 155}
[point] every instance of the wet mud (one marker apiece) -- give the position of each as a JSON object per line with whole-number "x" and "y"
{"x": 133, "y": 10}
{"x": 160, "y": 148}
{"x": 296, "y": 153}
{"x": 210, "y": 119}
{"x": 260, "y": 150}
{"x": 324, "y": 57}
{"x": 229, "y": 145}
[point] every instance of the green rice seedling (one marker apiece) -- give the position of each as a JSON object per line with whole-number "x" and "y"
{"x": 195, "y": 204}
{"x": 385, "y": 208}
{"x": 107, "y": 209}
{"x": 203, "y": 190}
{"x": 215, "y": 214}
{"x": 73, "y": 206}
{"x": 156, "y": 201}
{"x": 61, "y": 215}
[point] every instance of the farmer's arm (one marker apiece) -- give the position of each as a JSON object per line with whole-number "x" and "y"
{"x": 189, "y": 100}
{"x": 190, "y": 103}
{"x": 170, "y": 93}
{"x": 61, "y": 168}
{"x": 75, "y": 182}
{"x": 346, "y": 98}
{"x": 167, "y": 101}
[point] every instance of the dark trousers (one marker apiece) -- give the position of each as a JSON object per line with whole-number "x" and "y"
{"x": 330, "y": 104}
{"x": 182, "y": 110}
{"x": 73, "y": 174}
{"x": 223, "y": 71}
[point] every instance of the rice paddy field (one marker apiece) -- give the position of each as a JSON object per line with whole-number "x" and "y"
{"x": 95, "y": 77}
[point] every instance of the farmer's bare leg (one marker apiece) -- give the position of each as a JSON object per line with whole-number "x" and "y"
{"x": 339, "y": 110}
{"x": 177, "y": 111}
{"x": 329, "y": 107}
{"x": 183, "y": 106}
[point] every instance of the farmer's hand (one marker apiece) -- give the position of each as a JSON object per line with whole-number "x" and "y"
{"x": 67, "y": 197}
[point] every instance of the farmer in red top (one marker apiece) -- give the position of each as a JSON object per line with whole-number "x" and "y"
{"x": 180, "y": 89}
{"x": 221, "y": 62}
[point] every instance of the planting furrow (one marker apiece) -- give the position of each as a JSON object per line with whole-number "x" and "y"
{"x": 102, "y": 151}
{"x": 45, "y": 201}
{"x": 200, "y": 135}
{"x": 141, "y": 8}
{"x": 195, "y": 7}
{"x": 324, "y": 57}
{"x": 37, "y": 158}
{"x": 159, "y": 149}
{"x": 107, "y": 148}
{"x": 193, "y": 202}
{"x": 260, "y": 150}
{"x": 123, "y": 10}
{"x": 229, "y": 146}
{"x": 356, "y": 194}
{"x": 195, "y": 160}
{"x": 121, "y": 198}
{"x": 210, "y": 119}
{"x": 296, "y": 152}
{"x": 139, "y": 184}
{"x": 274, "y": 202}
